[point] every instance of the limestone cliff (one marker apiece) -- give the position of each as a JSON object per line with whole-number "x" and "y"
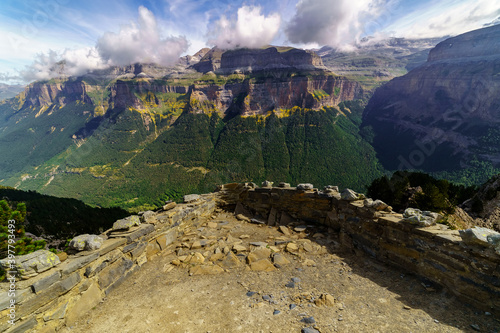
{"x": 443, "y": 114}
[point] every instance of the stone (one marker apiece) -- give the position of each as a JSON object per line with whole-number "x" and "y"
{"x": 350, "y": 195}
{"x": 113, "y": 272}
{"x": 152, "y": 248}
{"x": 195, "y": 258}
{"x": 257, "y": 221}
{"x": 481, "y": 236}
{"x": 31, "y": 264}
{"x": 76, "y": 263}
{"x": 191, "y": 198}
{"x": 45, "y": 282}
{"x": 167, "y": 238}
{"x": 420, "y": 218}
{"x": 169, "y": 205}
{"x": 239, "y": 248}
{"x": 331, "y": 188}
{"x": 230, "y": 261}
{"x": 206, "y": 270}
{"x": 258, "y": 254}
{"x": 259, "y": 244}
{"x": 267, "y": 183}
{"x": 308, "y": 247}
{"x": 126, "y": 223}
{"x": 23, "y": 326}
{"x": 308, "y": 320}
{"x": 325, "y": 300}
{"x": 284, "y": 185}
{"x": 309, "y": 263}
{"x": 263, "y": 265}
{"x": 309, "y": 330}
{"x": 380, "y": 205}
{"x": 280, "y": 259}
{"x": 90, "y": 298}
{"x": 276, "y": 312}
{"x": 149, "y": 217}
{"x": 86, "y": 242}
{"x": 242, "y": 217}
{"x": 292, "y": 247}
{"x": 285, "y": 230}
{"x": 305, "y": 187}
{"x": 212, "y": 225}
{"x": 62, "y": 256}
{"x": 111, "y": 244}
{"x": 58, "y": 313}
{"x": 196, "y": 245}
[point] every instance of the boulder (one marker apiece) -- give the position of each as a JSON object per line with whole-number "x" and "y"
{"x": 331, "y": 188}
{"x": 149, "y": 217}
{"x": 86, "y": 242}
{"x": 267, "y": 183}
{"x": 169, "y": 205}
{"x": 377, "y": 204}
{"x": 305, "y": 187}
{"x": 191, "y": 198}
{"x": 284, "y": 185}
{"x": 350, "y": 195}
{"x": 126, "y": 223}
{"x": 31, "y": 264}
{"x": 420, "y": 218}
{"x": 481, "y": 236}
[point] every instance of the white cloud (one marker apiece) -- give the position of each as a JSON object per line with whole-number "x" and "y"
{"x": 69, "y": 62}
{"x": 141, "y": 42}
{"x": 250, "y": 29}
{"x": 136, "y": 42}
{"x": 333, "y": 22}
{"x": 447, "y": 19}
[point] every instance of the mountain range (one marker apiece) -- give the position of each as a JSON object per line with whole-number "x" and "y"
{"x": 135, "y": 136}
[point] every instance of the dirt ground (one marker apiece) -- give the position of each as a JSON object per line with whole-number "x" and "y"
{"x": 179, "y": 292}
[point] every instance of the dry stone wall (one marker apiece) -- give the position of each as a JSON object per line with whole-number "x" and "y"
{"x": 469, "y": 269}
{"x": 52, "y": 293}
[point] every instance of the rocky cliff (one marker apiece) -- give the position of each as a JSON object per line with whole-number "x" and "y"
{"x": 443, "y": 115}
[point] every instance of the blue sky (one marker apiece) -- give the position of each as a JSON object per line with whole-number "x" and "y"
{"x": 90, "y": 34}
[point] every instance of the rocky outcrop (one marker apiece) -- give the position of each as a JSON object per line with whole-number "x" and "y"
{"x": 256, "y": 60}
{"x": 44, "y": 94}
{"x": 444, "y": 113}
{"x": 251, "y": 97}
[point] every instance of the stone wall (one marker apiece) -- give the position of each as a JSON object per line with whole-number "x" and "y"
{"x": 54, "y": 293}
{"x": 469, "y": 268}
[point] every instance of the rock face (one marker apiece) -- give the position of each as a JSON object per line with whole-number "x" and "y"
{"x": 443, "y": 114}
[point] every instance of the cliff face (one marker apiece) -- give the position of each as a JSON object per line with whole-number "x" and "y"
{"x": 40, "y": 94}
{"x": 445, "y": 113}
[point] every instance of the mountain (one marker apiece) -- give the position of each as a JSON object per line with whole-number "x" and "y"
{"x": 137, "y": 135}
{"x": 9, "y": 91}
{"x": 444, "y": 115}
{"x": 373, "y": 62}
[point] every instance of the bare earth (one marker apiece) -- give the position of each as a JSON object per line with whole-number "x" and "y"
{"x": 367, "y": 296}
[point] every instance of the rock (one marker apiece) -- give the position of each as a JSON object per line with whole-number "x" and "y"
{"x": 280, "y": 259}
{"x": 242, "y": 217}
{"x": 191, "y": 198}
{"x": 305, "y": 187}
{"x": 206, "y": 270}
{"x": 239, "y": 248}
{"x": 169, "y": 205}
{"x": 308, "y": 320}
{"x": 481, "y": 236}
{"x": 149, "y": 217}
{"x": 380, "y": 205}
{"x": 216, "y": 256}
{"x": 195, "y": 258}
{"x": 292, "y": 306}
{"x": 292, "y": 247}
{"x": 296, "y": 279}
{"x": 308, "y": 247}
{"x": 262, "y": 265}
{"x": 212, "y": 225}
{"x": 309, "y": 263}
{"x": 290, "y": 284}
{"x": 331, "y": 188}
{"x": 231, "y": 261}
{"x": 176, "y": 262}
{"x": 258, "y": 254}
{"x": 250, "y": 293}
{"x": 62, "y": 256}
{"x": 259, "y": 244}
{"x": 276, "y": 312}
{"x": 284, "y": 185}
{"x": 31, "y": 264}
{"x": 300, "y": 228}
{"x": 196, "y": 245}
{"x": 309, "y": 330}
{"x": 285, "y": 230}
{"x": 256, "y": 221}
{"x": 86, "y": 242}
{"x": 420, "y": 218}
{"x": 267, "y": 183}
{"x": 126, "y": 223}
{"x": 350, "y": 195}
{"x": 325, "y": 300}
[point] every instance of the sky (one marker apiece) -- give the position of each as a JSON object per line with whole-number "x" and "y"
{"x": 42, "y": 38}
